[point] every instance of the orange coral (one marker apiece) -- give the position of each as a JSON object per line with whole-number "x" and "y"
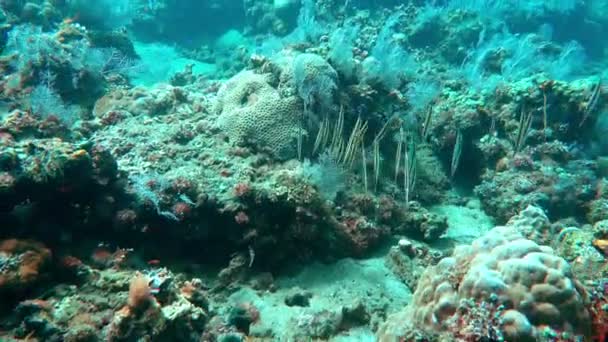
{"x": 601, "y": 245}
{"x": 188, "y": 290}
{"x": 79, "y": 154}
{"x": 30, "y": 265}
{"x": 140, "y": 294}
{"x": 8, "y": 246}
{"x": 33, "y": 257}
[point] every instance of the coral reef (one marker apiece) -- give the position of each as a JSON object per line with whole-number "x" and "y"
{"x": 286, "y": 170}
{"x": 119, "y": 305}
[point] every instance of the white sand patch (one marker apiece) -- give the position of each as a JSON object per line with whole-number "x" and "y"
{"x": 465, "y": 223}
{"x": 333, "y": 287}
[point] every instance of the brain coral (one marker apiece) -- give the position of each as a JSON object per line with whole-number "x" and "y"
{"x": 502, "y": 286}
{"x": 253, "y": 112}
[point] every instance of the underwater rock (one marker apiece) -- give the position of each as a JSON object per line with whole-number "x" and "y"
{"x": 315, "y": 81}
{"x": 419, "y": 222}
{"x": 298, "y": 298}
{"x": 118, "y": 40}
{"x": 560, "y": 191}
{"x": 282, "y": 5}
{"x": 114, "y": 305}
{"x": 271, "y": 16}
{"x": 235, "y": 271}
{"x": 54, "y": 165}
{"x": 159, "y": 100}
{"x": 321, "y": 324}
{"x": 600, "y": 229}
{"x": 127, "y": 324}
{"x": 23, "y": 124}
{"x": 586, "y": 255}
{"x": 432, "y": 182}
{"x": 34, "y": 319}
{"x": 242, "y": 316}
{"x": 409, "y": 258}
{"x": 355, "y": 315}
{"x": 597, "y": 210}
{"x": 179, "y": 316}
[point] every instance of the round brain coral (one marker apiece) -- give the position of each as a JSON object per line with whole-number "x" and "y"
{"x": 253, "y": 112}
{"x": 501, "y": 286}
